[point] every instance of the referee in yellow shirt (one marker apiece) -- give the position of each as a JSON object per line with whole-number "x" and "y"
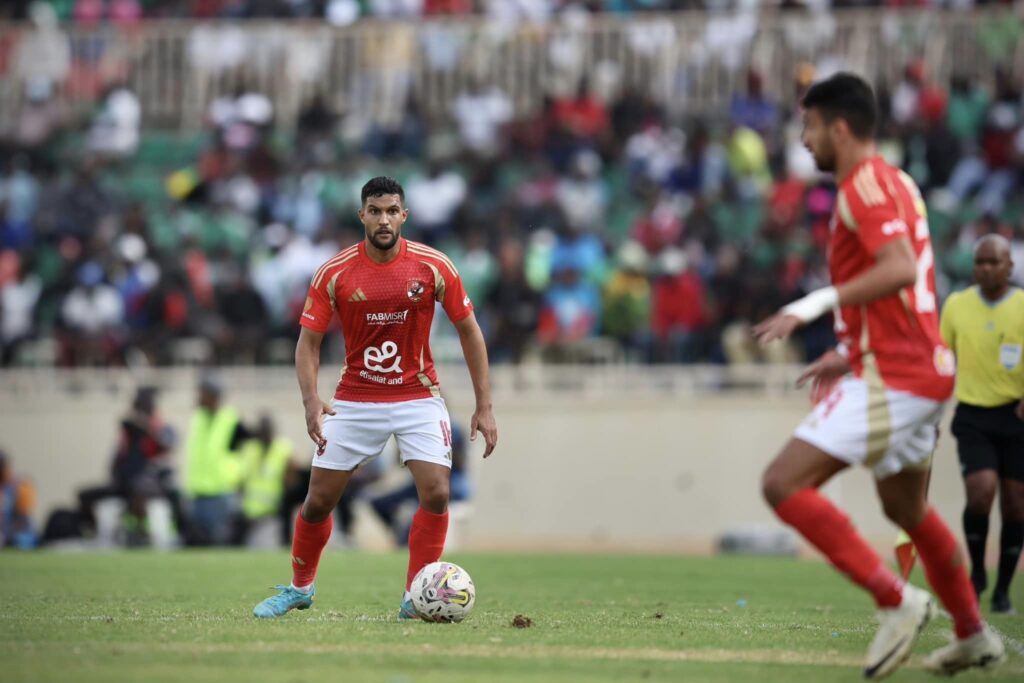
{"x": 984, "y": 325}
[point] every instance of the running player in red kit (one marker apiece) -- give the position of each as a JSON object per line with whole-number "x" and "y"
{"x": 881, "y": 391}
{"x": 383, "y": 290}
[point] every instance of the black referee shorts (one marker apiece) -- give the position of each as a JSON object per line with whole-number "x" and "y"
{"x": 990, "y": 439}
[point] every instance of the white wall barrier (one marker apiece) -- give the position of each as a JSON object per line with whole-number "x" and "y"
{"x": 590, "y": 457}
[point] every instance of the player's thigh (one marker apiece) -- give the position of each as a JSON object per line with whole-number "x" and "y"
{"x": 904, "y": 434}
{"x": 798, "y": 465}
{"x": 975, "y": 446}
{"x": 356, "y": 433}
{"x": 423, "y": 430}
{"x": 432, "y": 483}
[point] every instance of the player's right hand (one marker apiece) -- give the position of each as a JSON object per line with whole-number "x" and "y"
{"x": 779, "y": 326}
{"x": 316, "y": 409}
{"x": 824, "y": 374}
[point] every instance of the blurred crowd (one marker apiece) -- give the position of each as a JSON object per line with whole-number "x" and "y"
{"x": 344, "y": 12}
{"x": 602, "y": 228}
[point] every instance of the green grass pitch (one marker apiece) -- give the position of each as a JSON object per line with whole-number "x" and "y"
{"x": 140, "y": 616}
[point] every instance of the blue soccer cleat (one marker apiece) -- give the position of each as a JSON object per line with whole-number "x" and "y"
{"x": 282, "y": 603}
{"x": 407, "y": 611}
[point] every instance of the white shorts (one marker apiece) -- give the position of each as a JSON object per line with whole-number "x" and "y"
{"x": 865, "y": 423}
{"x": 358, "y": 432}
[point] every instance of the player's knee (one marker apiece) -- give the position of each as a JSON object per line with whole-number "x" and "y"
{"x": 434, "y": 497}
{"x": 774, "y": 487}
{"x": 906, "y": 514}
{"x": 318, "y": 506}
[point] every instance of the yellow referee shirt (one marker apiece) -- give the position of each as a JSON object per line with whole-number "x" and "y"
{"x": 988, "y": 339}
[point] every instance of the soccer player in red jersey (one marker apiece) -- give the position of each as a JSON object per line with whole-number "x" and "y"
{"x": 383, "y": 291}
{"x": 882, "y": 390}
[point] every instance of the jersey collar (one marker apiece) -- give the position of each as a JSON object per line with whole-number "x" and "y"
{"x": 992, "y": 304}
{"x": 402, "y": 248}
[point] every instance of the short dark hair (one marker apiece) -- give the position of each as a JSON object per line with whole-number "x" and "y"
{"x": 848, "y": 97}
{"x": 381, "y": 185}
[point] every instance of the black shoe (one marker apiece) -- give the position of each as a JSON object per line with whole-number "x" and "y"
{"x": 980, "y": 582}
{"x": 1001, "y": 604}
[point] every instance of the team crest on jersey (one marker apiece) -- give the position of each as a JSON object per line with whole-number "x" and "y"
{"x": 415, "y": 289}
{"x": 308, "y": 305}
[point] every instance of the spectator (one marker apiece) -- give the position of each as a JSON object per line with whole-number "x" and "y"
{"x": 93, "y": 320}
{"x": 114, "y": 134}
{"x": 582, "y": 195}
{"x": 435, "y": 199}
{"x": 755, "y": 110}
{"x": 583, "y": 117}
{"x": 571, "y": 312}
{"x": 679, "y": 315}
{"x": 42, "y": 57}
{"x": 18, "y": 299}
{"x": 19, "y": 201}
{"x": 142, "y": 480}
{"x": 41, "y": 119}
{"x": 245, "y": 318}
{"x": 627, "y": 302}
{"x": 480, "y": 113}
{"x": 81, "y": 205}
{"x": 515, "y": 305}
{"x": 991, "y": 172}
{"x": 212, "y": 465}
{"x": 17, "y": 504}
{"x": 266, "y": 468}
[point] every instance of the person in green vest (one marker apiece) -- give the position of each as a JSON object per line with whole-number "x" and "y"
{"x": 213, "y": 465}
{"x": 266, "y": 468}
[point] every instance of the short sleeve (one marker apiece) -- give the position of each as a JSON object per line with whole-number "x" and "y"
{"x": 876, "y": 222}
{"x": 317, "y": 311}
{"x": 455, "y": 301}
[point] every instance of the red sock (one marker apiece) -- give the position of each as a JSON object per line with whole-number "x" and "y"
{"x": 426, "y": 541}
{"x": 831, "y": 532}
{"x": 307, "y": 544}
{"x": 944, "y": 566}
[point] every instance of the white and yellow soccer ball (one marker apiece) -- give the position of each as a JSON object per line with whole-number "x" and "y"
{"x": 443, "y": 592}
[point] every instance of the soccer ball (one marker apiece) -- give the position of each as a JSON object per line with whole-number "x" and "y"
{"x": 443, "y": 591}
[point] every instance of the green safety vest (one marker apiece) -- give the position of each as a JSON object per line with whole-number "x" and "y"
{"x": 211, "y": 468}
{"x": 263, "y": 485}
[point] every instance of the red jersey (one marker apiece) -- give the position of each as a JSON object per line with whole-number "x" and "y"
{"x": 386, "y": 310}
{"x": 897, "y": 336}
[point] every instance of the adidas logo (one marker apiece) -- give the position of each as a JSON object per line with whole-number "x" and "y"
{"x": 357, "y": 296}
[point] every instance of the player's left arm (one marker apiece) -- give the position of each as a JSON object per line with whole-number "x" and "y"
{"x": 475, "y": 351}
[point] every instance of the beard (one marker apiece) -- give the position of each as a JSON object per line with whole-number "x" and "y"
{"x": 382, "y": 241}
{"x": 825, "y": 161}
